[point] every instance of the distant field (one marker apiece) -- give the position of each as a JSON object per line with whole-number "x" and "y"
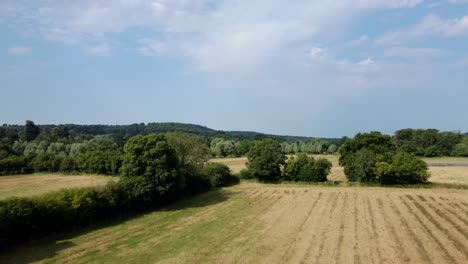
{"x": 452, "y": 175}
{"x": 446, "y": 159}
{"x": 35, "y": 184}
{"x": 254, "y": 223}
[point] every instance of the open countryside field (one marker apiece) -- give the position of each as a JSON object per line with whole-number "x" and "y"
{"x": 36, "y": 184}
{"x": 254, "y": 223}
{"x": 439, "y": 174}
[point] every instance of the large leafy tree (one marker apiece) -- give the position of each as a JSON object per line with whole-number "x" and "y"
{"x": 358, "y": 155}
{"x": 265, "y": 160}
{"x": 150, "y": 169}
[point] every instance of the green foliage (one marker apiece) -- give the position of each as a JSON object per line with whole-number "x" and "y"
{"x": 31, "y": 131}
{"x": 332, "y": 149}
{"x": 101, "y": 162}
{"x": 223, "y": 148}
{"x": 46, "y": 162}
{"x": 461, "y": 149}
{"x": 26, "y": 218}
{"x": 265, "y": 160}
{"x": 360, "y": 166}
{"x": 245, "y": 174}
{"x": 404, "y": 168}
{"x": 14, "y": 165}
{"x": 374, "y": 141}
{"x": 150, "y": 169}
{"x": 427, "y": 142}
{"x": 219, "y": 175}
{"x": 305, "y": 168}
{"x": 191, "y": 150}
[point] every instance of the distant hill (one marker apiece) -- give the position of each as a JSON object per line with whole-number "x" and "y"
{"x": 142, "y": 128}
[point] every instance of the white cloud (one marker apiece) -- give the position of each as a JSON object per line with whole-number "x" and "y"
{"x": 458, "y": 1}
{"x": 216, "y": 35}
{"x": 99, "y": 50}
{"x": 366, "y": 62}
{"x": 431, "y": 25}
{"x": 19, "y": 50}
{"x": 316, "y": 52}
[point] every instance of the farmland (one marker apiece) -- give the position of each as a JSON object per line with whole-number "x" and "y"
{"x": 36, "y": 184}
{"x": 439, "y": 174}
{"x": 257, "y": 223}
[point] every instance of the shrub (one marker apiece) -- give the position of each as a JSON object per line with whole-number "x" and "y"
{"x": 245, "y": 174}
{"x": 27, "y": 218}
{"x": 219, "y": 175}
{"x": 305, "y": 168}
{"x": 404, "y": 168}
{"x": 14, "y": 165}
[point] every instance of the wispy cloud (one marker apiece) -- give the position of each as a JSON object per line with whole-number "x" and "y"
{"x": 431, "y": 25}
{"x": 19, "y": 50}
{"x": 99, "y": 50}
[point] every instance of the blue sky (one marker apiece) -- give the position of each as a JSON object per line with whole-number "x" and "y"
{"x": 312, "y": 68}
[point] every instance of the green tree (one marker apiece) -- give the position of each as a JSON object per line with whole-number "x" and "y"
{"x": 265, "y": 160}
{"x": 150, "y": 169}
{"x": 374, "y": 141}
{"x": 360, "y": 166}
{"x": 191, "y": 150}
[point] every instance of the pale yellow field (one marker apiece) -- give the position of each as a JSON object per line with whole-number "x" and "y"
{"x": 446, "y": 159}
{"x": 449, "y": 174}
{"x": 260, "y": 223}
{"x": 35, "y": 184}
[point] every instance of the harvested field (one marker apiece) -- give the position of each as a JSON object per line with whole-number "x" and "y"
{"x": 449, "y": 174}
{"x": 235, "y": 164}
{"x": 35, "y": 184}
{"x": 254, "y": 223}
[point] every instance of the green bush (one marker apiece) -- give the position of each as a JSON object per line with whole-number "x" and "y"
{"x": 404, "y": 168}
{"x": 305, "y": 168}
{"x": 219, "y": 175}
{"x": 27, "y": 218}
{"x": 245, "y": 174}
{"x": 14, "y": 165}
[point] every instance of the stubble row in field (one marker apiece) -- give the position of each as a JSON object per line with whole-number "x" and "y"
{"x": 253, "y": 223}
